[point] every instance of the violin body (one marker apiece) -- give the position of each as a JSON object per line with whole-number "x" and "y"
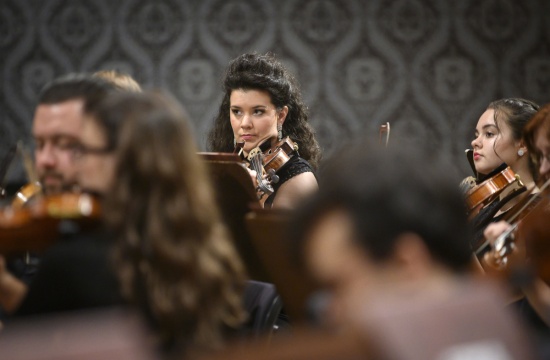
{"x": 280, "y": 154}
{"x": 26, "y": 194}
{"x": 266, "y": 163}
{"x": 484, "y": 193}
{"x": 36, "y": 226}
{"x": 525, "y": 219}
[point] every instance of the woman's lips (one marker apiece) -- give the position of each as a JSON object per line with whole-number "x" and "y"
{"x": 476, "y": 156}
{"x": 247, "y": 137}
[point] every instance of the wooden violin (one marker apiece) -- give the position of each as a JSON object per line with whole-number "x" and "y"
{"x": 486, "y": 192}
{"x": 266, "y": 163}
{"x": 26, "y": 194}
{"x": 505, "y": 244}
{"x": 36, "y": 225}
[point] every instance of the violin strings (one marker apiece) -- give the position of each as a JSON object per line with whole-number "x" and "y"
{"x": 256, "y": 162}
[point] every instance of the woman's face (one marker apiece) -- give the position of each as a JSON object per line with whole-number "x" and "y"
{"x": 95, "y": 162}
{"x": 493, "y": 145}
{"x": 542, "y": 143}
{"x": 253, "y": 117}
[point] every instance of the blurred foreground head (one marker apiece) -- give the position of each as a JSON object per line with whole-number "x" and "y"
{"x": 173, "y": 254}
{"x": 383, "y": 216}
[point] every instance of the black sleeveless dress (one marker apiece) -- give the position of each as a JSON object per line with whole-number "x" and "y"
{"x": 295, "y": 166}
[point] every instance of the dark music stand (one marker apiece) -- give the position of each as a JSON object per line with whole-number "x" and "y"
{"x": 259, "y": 234}
{"x": 235, "y": 195}
{"x": 268, "y": 230}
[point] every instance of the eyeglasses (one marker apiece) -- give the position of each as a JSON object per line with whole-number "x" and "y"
{"x": 58, "y": 145}
{"x": 81, "y": 150}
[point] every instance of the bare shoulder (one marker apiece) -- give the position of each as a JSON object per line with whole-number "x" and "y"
{"x": 294, "y": 190}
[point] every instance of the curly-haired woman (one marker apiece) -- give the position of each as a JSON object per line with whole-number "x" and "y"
{"x": 262, "y": 104}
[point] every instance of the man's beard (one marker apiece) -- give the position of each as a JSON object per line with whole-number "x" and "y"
{"x": 61, "y": 184}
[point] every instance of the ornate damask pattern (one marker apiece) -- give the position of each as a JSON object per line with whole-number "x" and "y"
{"x": 429, "y": 67}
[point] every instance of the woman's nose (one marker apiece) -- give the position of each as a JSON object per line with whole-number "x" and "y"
{"x": 246, "y": 121}
{"x": 475, "y": 142}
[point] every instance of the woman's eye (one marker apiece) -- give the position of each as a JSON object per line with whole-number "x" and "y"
{"x": 235, "y": 111}
{"x": 258, "y": 112}
{"x": 489, "y": 134}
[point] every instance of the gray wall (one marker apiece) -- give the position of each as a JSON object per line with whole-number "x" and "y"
{"x": 429, "y": 67}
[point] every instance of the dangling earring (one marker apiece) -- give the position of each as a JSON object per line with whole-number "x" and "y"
{"x": 234, "y": 142}
{"x": 280, "y": 131}
{"x": 521, "y": 152}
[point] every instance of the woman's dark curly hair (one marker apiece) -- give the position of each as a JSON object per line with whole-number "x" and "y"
{"x": 265, "y": 72}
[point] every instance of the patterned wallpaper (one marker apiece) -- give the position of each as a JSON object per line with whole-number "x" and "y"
{"x": 429, "y": 67}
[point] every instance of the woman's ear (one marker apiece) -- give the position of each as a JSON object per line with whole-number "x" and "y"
{"x": 281, "y": 116}
{"x": 522, "y": 150}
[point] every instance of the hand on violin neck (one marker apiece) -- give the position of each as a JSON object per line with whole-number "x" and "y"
{"x": 253, "y": 175}
{"x": 494, "y": 230}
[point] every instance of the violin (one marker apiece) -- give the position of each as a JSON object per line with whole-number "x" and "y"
{"x": 266, "y": 163}
{"x": 36, "y": 226}
{"x": 486, "y": 192}
{"x": 505, "y": 244}
{"x": 26, "y": 194}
